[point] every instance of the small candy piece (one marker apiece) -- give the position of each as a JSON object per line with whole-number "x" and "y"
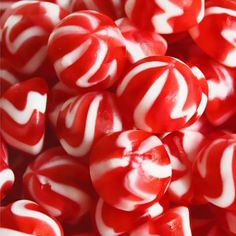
{"x": 7, "y": 177}
{"x": 25, "y": 218}
{"x": 215, "y": 35}
{"x": 175, "y": 221}
{"x": 182, "y": 147}
{"x": 129, "y": 169}
{"x": 215, "y": 171}
{"x": 139, "y": 43}
{"x": 22, "y": 115}
{"x": 87, "y": 50}
{"x": 85, "y": 118}
{"x": 165, "y": 17}
{"x": 165, "y": 94}
{"x": 25, "y": 35}
{"x": 60, "y": 185}
{"x": 114, "y": 9}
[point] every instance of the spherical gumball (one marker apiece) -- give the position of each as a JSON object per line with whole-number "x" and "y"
{"x": 85, "y": 118}
{"x": 165, "y": 17}
{"x": 111, "y": 8}
{"x": 217, "y": 31}
{"x": 60, "y": 185}
{"x": 25, "y": 35}
{"x": 174, "y": 221}
{"x": 94, "y": 55}
{"x": 22, "y": 110}
{"x": 139, "y": 43}
{"x": 165, "y": 94}
{"x": 182, "y": 147}
{"x": 133, "y": 169}
{"x": 25, "y": 217}
{"x": 215, "y": 173}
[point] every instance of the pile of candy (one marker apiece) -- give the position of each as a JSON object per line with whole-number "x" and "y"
{"x": 118, "y": 117}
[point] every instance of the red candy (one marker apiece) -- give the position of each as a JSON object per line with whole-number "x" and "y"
{"x": 25, "y": 35}
{"x": 24, "y": 218}
{"x": 22, "y": 110}
{"x": 83, "y": 119}
{"x": 132, "y": 170}
{"x": 165, "y": 94}
{"x": 59, "y": 184}
{"x": 87, "y": 50}
{"x": 165, "y": 17}
{"x": 215, "y": 35}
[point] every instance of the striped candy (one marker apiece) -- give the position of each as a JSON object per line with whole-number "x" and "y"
{"x": 85, "y": 118}
{"x": 139, "y": 43}
{"x": 129, "y": 169}
{"x": 218, "y": 31}
{"x": 26, "y": 218}
{"x": 87, "y": 50}
{"x": 165, "y": 93}
{"x": 60, "y": 185}
{"x": 165, "y": 17}
{"x": 22, "y": 115}
{"x": 215, "y": 171}
{"x": 25, "y": 35}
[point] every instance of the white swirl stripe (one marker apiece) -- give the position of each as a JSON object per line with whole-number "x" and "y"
{"x": 219, "y": 10}
{"x": 7, "y": 76}
{"x": 6, "y": 175}
{"x": 11, "y": 232}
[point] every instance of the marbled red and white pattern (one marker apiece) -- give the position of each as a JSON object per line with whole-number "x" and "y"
{"x": 216, "y": 34}
{"x": 87, "y": 50}
{"x": 165, "y": 17}
{"x": 60, "y": 185}
{"x": 165, "y": 94}
{"x": 26, "y": 218}
{"x": 133, "y": 169}
{"x": 22, "y": 115}
{"x": 85, "y": 118}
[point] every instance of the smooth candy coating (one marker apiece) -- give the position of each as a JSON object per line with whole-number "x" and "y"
{"x": 165, "y": 17}
{"x": 111, "y": 8}
{"x": 22, "y": 110}
{"x": 132, "y": 170}
{"x": 85, "y": 118}
{"x": 215, "y": 35}
{"x": 215, "y": 171}
{"x": 139, "y": 43}
{"x": 87, "y": 50}
{"x": 182, "y": 147}
{"x": 165, "y": 94}
{"x": 26, "y": 218}
{"x": 25, "y": 35}
{"x": 175, "y": 221}
{"x": 60, "y": 185}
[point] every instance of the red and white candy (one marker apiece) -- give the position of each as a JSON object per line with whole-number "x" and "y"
{"x": 165, "y": 17}
{"x": 87, "y": 50}
{"x": 85, "y": 118}
{"x": 132, "y": 170}
{"x": 165, "y": 94}
{"x": 26, "y": 218}
{"x": 22, "y": 115}
{"x": 60, "y": 185}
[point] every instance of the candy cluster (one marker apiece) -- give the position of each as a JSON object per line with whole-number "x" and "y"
{"x": 118, "y": 118}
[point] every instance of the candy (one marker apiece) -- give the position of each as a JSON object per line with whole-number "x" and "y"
{"x": 215, "y": 173}
{"x": 87, "y": 50}
{"x": 25, "y": 218}
{"x": 165, "y": 94}
{"x": 60, "y": 185}
{"x": 132, "y": 170}
{"x": 25, "y": 35}
{"x": 215, "y": 35}
{"x": 22, "y": 110}
{"x": 83, "y": 119}
{"x": 165, "y": 17}
{"x": 139, "y": 43}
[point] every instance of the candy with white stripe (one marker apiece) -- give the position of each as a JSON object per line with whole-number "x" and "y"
{"x": 132, "y": 170}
